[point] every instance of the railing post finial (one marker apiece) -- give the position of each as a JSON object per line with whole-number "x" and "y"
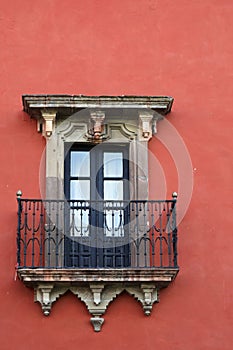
{"x": 19, "y": 194}
{"x": 174, "y": 195}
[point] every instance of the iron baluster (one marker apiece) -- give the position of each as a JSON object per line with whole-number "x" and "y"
{"x": 113, "y": 243}
{"x": 113, "y": 220}
{"x": 168, "y": 225}
{"x": 41, "y": 241}
{"x": 33, "y": 231}
{"x": 73, "y": 234}
{"x": 153, "y": 234}
{"x": 137, "y": 242}
{"x": 19, "y": 194}
{"x": 161, "y": 234}
{"x": 128, "y": 230}
{"x": 145, "y": 233}
{"x": 49, "y": 234}
{"x": 174, "y": 229}
{"x": 57, "y": 236}
{"x": 121, "y": 238}
{"x": 25, "y": 234}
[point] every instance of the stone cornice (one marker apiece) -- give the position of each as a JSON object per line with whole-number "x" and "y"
{"x": 33, "y": 104}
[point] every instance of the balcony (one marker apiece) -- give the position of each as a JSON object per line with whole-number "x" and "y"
{"x": 96, "y": 249}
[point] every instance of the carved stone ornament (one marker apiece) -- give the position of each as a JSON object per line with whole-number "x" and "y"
{"x": 97, "y": 323}
{"x": 96, "y": 127}
{"x": 47, "y": 108}
{"x": 97, "y": 297}
{"x": 97, "y": 288}
{"x": 49, "y": 118}
{"x": 146, "y": 125}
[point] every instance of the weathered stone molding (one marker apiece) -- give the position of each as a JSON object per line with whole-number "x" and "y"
{"x": 161, "y": 276}
{"x": 69, "y": 104}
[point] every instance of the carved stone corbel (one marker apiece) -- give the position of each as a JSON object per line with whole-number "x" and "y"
{"x": 49, "y": 118}
{"x": 150, "y": 296}
{"x": 97, "y": 297}
{"x": 46, "y": 294}
{"x": 145, "y": 123}
{"x": 147, "y": 294}
{"x": 148, "y": 124}
{"x": 43, "y": 296}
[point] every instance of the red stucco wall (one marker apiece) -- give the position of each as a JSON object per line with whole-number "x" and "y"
{"x": 150, "y": 47}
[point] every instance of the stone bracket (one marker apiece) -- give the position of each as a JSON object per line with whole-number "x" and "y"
{"x": 97, "y": 297}
{"x": 148, "y": 124}
{"x": 46, "y": 294}
{"x": 97, "y": 288}
{"x": 145, "y": 122}
{"x": 48, "y": 122}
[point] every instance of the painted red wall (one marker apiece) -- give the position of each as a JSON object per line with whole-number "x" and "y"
{"x": 149, "y": 47}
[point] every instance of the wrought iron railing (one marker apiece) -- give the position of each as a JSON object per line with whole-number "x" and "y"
{"x": 96, "y": 234}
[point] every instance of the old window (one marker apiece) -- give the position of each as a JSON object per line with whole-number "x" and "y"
{"x": 97, "y": 181}
{"x": 95, "y": 232}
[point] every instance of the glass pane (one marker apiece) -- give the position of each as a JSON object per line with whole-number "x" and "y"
{"x": 114, "y": 223}
{"x": 80, "y": 189}
{"x": 80, "y": 163}
{"x": 79, "y": 222}
{"x": 113, "y": 164}
{"x": 113, "y": 190}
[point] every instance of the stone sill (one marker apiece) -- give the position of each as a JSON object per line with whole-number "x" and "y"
{"x": 72, "y": 275}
